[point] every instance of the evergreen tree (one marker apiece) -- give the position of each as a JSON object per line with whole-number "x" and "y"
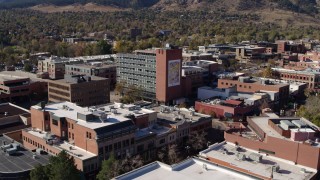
{"x": 39, "y": 173}
{"x": 63, "y": 167}
{"x": 110, "y": 168}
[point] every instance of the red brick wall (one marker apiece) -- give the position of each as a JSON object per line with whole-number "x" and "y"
{"x": 285, "y": 149}
{"x": 163, "y": 92}
{"x": 38, "y": 119}
{"x": 82, "y": 141}
{"x": 142, "y": 121}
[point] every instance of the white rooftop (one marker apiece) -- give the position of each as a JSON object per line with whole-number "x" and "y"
{"x": 288, "y": 170}
{"x": 110, "y": 113}
{"x": 190, "y": 169}
{"x": 62, "y": 145}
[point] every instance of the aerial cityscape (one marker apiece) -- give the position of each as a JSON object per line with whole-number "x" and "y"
{"x": 159, "y": 89}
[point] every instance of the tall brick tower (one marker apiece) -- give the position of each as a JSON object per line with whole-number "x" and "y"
{"x": 168, "y": 74}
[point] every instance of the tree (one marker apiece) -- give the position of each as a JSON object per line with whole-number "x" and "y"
{"x": 102, "y": 47}
{"x": 110, "y": 168}
{"x": 173, "y": 155}
{"x": 197, "y": 140}
{"x": 39, "y": 173}
{"x": 120, "y": 87}
{"x": 267, "y": 73}
{"x": 27, "y": 67}
{"x": 310, "y": 110}
{"x": 62, "y": 166}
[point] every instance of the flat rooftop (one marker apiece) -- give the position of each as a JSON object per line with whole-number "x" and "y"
{"x": 189, "y": 169}
{"x": 21, "y": 161}
{"x": 310, "y": 72}
{"x": 8, "y": 109}
{"x": 172, "y": 113}
{"x": 113, "y": 113}
{"x": 8, "y": 77}
{"x": 93, "y": 66}
{"x": 62, "y": 145}
{"x": 288, "y": 170}
{"x": 73, "y": 80}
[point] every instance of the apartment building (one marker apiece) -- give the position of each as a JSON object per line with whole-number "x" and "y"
{"x": 94, "y": 69}
{"x": 54, "y": 66}
{"x": 83, "y": 90}
{"x": 157, "y": 71}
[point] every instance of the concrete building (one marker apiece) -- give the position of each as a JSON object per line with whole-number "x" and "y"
{"x": 196, "y": 74}
{"x": 94, "y": 69}
{"x": 192, "y": 56}
{"x": 158, "y": 72}
{"x": 13, "y": 118}
{"x": 290, "y": 138}
{"x": 255, "y": 163}
{"x": 83, "y": 90}
{"x": 247, "y": 84}
{"x": 189, "y": 169}
{"x": 311, "y": 77}
{"x": 250, "y": 53}
{"x": 14, "y": 88}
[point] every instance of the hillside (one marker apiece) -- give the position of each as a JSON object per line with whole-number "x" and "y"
{"x": 310, "y": 7}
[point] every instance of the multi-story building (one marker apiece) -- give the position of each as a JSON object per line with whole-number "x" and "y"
{"x": 54, "y": 66}
{"x": 88, "y": 134}
{"x": 247, "y": 84}
{"x": 192, "y": 56}
{"x": 292, "y": 139}
{"x": 94, "y": 69}
{"x": 158, "y": 72}
{"x": 234, "y": 109}
{"x": 311, "y": 77}
{"x": 249, "y": 53}
{"x": 287, "y": 46}
{"x": 13, "y": 88}
{"x": 83, "y": 90}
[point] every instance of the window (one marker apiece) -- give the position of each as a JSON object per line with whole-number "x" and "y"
{"x": 55, "y": 122}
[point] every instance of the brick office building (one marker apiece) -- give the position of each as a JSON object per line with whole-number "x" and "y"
{"x": 83, "y": 90}
{"x": 246, "y": 84}
{"x": 88, "y": 134}
{"x": 293, "y": 139}
{"x": 311, "y": 77}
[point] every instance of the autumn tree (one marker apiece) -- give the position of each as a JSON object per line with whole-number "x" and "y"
{"x": 110, "y": 168}
{"x": 197, "y": 140}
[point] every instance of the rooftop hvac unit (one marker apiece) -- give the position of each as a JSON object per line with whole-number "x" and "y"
{"x": 241, "y": 157}
{"x": 255, "y": 157}
{"x": 276, "y": 168}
